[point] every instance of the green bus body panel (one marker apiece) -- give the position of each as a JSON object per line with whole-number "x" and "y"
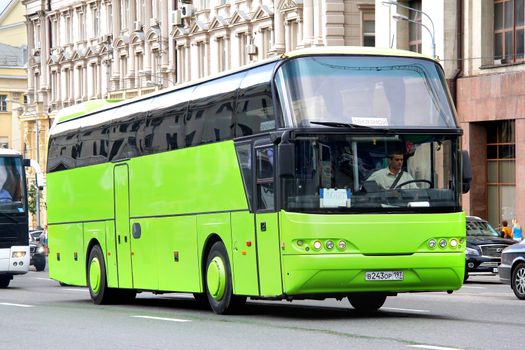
{"x": 268, "y": 254}
{"x": 244, "y": 266}
{"x": 191, "y": 180}
{"x": 81, "y": 194}
{"x": 122, "y": 227}
{"x": 374, "y": 243}
{"x": 165, "y": 255}
{"x": 110, "y": 251}
{"x": 64, "y": 242}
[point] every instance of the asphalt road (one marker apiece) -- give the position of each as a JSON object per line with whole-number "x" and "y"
{"x": 36, "y": 312}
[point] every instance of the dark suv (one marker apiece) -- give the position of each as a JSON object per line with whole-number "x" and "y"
{"x": 484, "y": 246}
{"x": 37, "y": 250}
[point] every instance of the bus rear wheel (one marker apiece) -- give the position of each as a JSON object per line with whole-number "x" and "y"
{"x": 97, "y": 281}
{"x": 218, "y": 281}
{"x": 367, "y": 302}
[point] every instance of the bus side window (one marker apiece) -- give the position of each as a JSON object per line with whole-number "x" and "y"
{"x": 244, "y": 157}
{"x": 255, "y": 107}
{"x": 210, "y": 115}
{"x": 265, "y": 184}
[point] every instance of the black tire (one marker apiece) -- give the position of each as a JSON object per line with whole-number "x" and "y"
{"x": 465, "y": 278}
{"x": 367, "y": 302}
{"x": 40, "y": 263}
{"x": 4, "y": 280}
{"x": 518, "y": 281}
{"x": 96, "y": 278}
{"x": 221, "y": 298}
{"x": 202, "y": 300}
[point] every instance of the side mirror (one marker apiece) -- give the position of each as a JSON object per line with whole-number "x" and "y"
{"x": 39, "y": 177}
{"x": 286, "y": 159}
{"x": 467, "y": 171}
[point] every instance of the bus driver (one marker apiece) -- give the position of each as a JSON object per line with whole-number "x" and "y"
{"x": 393, "y": 175}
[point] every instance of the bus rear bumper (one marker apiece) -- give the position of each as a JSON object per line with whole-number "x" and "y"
{"x": 14, "y": 260}
{"x": 340, "y": 274}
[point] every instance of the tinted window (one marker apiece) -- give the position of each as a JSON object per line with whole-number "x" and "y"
{"x": 244, "y": 155}
{"x": 255, "y": 110}
{"x": 210, "y": 116}
{"x": 164, "y": 130}
{"x": 265, "y": 188}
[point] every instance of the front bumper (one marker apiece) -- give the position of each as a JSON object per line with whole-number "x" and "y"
{"x": 478, "y": 263}
{"x": 14, "y": 265}
{"x": 345, "y": 273}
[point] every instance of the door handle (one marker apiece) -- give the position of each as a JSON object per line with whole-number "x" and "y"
{"x": 263, "y": 226}
{"x": 136, "y": 230}
{"x": 118, "y": 239}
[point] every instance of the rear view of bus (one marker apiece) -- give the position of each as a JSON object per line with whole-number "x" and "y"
{"x": 14, "y": 239}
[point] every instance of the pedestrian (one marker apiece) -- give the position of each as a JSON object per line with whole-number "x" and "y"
{"x": 506, "y": 230}
{"x": 43, "y": 238}
{"x": 516, "y": 230}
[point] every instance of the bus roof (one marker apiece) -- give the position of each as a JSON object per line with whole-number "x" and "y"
{"x": 353, "y": 50}
{"x": 80, "y": 109}
{"x": 8, "y": 152}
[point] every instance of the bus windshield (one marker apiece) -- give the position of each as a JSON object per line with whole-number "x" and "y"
{"x": 11, "y": 185}
{"x": 375, "y": 91}
{"x": 361, "y": 174}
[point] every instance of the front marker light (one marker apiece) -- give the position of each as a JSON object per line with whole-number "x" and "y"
{"x": 453, "y": 243}
{"x": 317, "y": 245}
{"x": 432, "y": 244}
{"x": 18, "y": 254}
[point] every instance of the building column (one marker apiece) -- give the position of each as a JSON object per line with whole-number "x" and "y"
{"x": 520, "y": 170}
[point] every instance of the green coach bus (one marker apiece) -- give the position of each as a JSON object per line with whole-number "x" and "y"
{"x": 258, "y": 183}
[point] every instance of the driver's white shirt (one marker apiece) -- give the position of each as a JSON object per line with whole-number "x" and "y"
{"x": 385, "y": 178}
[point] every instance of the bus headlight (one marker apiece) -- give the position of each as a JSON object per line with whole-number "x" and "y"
{"x": 432, "y": 244}
{"x": 341, "y": 244}
{"x": 18, "y": 254}
{"x": 442, "y": 243}
{"x": 317, "y": 245}
{"x": 453, "y": 243}
{"x": 329, "y": 245}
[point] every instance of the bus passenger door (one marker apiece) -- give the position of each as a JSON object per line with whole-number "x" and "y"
{"x": 122, "y": 234}
{"x": 267, "y": 224}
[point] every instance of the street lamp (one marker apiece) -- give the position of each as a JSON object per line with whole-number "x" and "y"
{"x": 399, "y": 17}
{"x": 37, "y": 129}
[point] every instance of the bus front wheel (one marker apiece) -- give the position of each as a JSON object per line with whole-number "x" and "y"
{"x": 4, "y": 280}
{"x": 367, "y": 302}
{"x": 218, "y": 280}
{"x": 97, "y": 282}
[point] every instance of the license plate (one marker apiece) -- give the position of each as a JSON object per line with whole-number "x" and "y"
{"x": 384, "y": 276}
{"x": 495, "y": 270}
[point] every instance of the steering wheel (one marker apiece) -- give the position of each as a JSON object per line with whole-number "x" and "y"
{"x": 415, "y": 180}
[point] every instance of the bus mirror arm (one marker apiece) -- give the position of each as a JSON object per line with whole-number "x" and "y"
{"x": 467, "y": 171}
{"x": 39, "y": 177}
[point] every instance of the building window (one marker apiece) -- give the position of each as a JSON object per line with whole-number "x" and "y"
{"x": 509, "y": 28}
{"x": 3, "y": 103}
{"x": 414, "y": 29}
{"x": 369, "y": 32}
{"x": 501, "y": 171}
{"x": 4, "y": 142}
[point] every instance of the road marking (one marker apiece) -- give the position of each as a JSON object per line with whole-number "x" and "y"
{"x": 76, "y": 289}
{"x": 161, "y": 318}
{"x": 472, "y": 287}
{"x": 399, "y": 309}
{"x": 432, "y": 347}
{"x": 18, "y": 305}
{"x": 44, "y": 279}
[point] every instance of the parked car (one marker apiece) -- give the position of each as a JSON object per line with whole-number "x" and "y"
{"x": 484, "y": 247}
{"x": 37, "y": 250}
{"x": 512, "y": 268}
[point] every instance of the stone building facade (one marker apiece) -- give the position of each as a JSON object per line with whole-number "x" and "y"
{"x": 481, "y": 47}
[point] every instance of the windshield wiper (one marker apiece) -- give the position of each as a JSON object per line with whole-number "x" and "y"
{"x": 342, "y": 125}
